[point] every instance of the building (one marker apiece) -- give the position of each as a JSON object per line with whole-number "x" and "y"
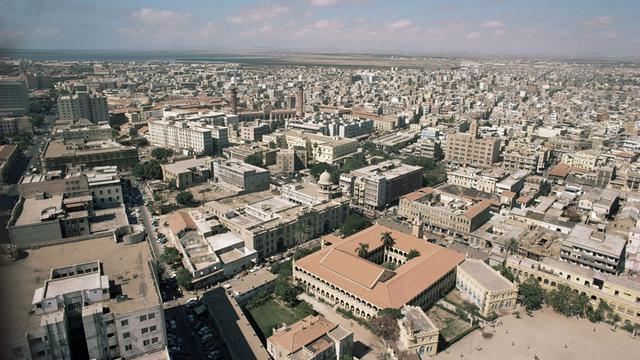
{"x": 418, "y": 334}
{"x": 105, "y": 187}
{"x": 60, "y": 155}
{"x": 44, "y": 219}
{"x": 54, "y": 183}
{"x": 82, "y": 130}
{"x": 530, "y": 160}
{"x": 191, "y": 136}
{"x": 240, "y": 177}
{"x": 291, "y": 160}
{"x": 376, "y": 186}
{"x": 188, "y": 172}
{"x": 210, "y": 257}
{"x": 362, "y": 285}
{"x": 267, "y": 222}
{"x": 469, "y": 149}
{"x": 313, "y": 337}
{"x": 96, "y": 300}
{"x": 443, "y": 212}
{"x": 320, "y": 148}
{"x": 594, "y": 249}
{"x": 621, "y": 293}
{"x": 485, "y": 288}
{"x": 82, "y": 105}
{"x": 10, "y": 125}
{"x": 253, "y": 131}
{"x": 14, "y": 97}
{"x": 8, "y": 156}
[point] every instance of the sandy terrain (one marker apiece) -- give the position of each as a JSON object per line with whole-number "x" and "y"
{"x": 546, "y": 335}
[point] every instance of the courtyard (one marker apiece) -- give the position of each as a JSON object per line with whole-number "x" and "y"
{"x": 273, "y": 314}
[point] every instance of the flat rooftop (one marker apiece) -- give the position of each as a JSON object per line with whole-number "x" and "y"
{"x": 33, "y": 208}
{"x": 389, "y": 169}
{"x": 485, "y": 275}
{"x": 185, "y": 165}
{"x": 251, "y": 281}
{"x": 126, "y": 265}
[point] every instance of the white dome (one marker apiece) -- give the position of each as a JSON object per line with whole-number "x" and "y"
{"x": 325, "y": 178}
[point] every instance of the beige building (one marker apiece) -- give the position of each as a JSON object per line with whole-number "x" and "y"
{"x": 95, "y": 300}
{"x": 622, "y": 293}
{"x": 82, "y": 130}
{"x": 311, "y": 338}
{"x": 59, "y": 155}
{"x": 188, "y": 172}
{"x": 185, "y": 135}
{"x": 267, "y": 221}
{"x": 240, "y": 177}
{"x": 320, "y": 148}
{"x": 291, "y": 160}
{"x": 362, "y": 285}
{"x": 469, "y": 149}
{"x": 15, "y": 125}
{"x": 83, "y": 105}
{"x": 375, "y": 186}
{"x": 485, "y": 288}
{"x": 418, "y": 334}
{"x": 443, "y": 212}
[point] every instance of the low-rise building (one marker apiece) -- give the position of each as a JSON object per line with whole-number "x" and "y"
{"x": 8, "y": 156}
{"x": 418, "y": 334}
{"x": 188, "y": 172}
{"x": 82, "y": 130}
{"x": 485, "y": 288}
{"x": 313, "y": 337}
{"x": 320, "y": 148}
{"x": 10, "y": 125}
{"x": 239, "y": 176}
{"x": 349, "y": 273}
{"x": 60, "y": 155}
{"x": 594, "y": 249}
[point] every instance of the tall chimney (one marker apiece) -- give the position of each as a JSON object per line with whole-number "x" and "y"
{"x": 234, "y": 100}
{"x": 300, "y": 101}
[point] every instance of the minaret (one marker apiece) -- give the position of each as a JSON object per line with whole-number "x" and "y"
{"x": 300, "y": 101}
{"x": 234, "y": 100}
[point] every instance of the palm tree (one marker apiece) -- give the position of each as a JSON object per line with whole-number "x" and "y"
{"x": 413, "y": 253}
{"x": 302, "y": 233}
{"x": 363, "y": 250}
{"x": 511, "y": 246}
{"x": 387, "y": 239}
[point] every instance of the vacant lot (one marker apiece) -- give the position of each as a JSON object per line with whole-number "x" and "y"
{"x": 450, "y": 325}
{"x": 271, "y": 314}
{"x": 547, "y": 335}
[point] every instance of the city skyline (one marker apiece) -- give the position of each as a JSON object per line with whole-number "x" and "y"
{"x": 575, "y": 29}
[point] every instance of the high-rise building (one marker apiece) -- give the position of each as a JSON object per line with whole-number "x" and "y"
{"x": 83, "y": 105}
{"x": 300, "y": 101}
{"x": 469, "y": 149}
{"x": 196, "y": 137}
{"x": 14, "y": 97}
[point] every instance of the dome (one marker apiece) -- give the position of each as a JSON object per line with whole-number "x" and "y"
{"x": 325, "y": 178}
{"x": 147, "y": 101}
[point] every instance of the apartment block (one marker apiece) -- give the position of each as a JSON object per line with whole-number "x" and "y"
{"x": 377, "y": 185}
{"x": 239, "y": 176}
{"x": 14, "y": 97}
{"x": 469, "y": 149}
{"x": 10, "y": 125}
{"x": 86, "y": 308}
{"x": 82, "y": 130}
{"x": 191, "y": 136}
{"x": 82, "y": 105}
{"x": 594, "y": 249}
{"x": 291, "y": 160}
{"x": 320, "y": 148}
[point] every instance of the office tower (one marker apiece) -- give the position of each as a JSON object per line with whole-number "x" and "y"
{"x": 14, "y": 97}
{"x": 83, "y": 105}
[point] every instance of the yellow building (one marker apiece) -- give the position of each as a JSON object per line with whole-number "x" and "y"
{"x": 418, "y": 334}
{"x": 485, "y": 287}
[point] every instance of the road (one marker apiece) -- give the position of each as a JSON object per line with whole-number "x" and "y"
{"x": 361, "y": 335}
{"x": 151, "y": 234}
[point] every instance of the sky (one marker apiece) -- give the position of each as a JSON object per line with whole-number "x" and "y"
{"x": 575, "y": 28}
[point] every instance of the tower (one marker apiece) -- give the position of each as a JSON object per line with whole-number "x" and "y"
{"x": 473, "y": 129}
{"x": 234, "y": 100}
{"x": 300, "y": 101}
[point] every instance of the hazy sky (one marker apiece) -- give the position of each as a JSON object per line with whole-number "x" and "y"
{"x": 534, "y": 27}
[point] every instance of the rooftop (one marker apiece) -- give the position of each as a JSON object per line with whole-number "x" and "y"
{"x": 485, "y": 275}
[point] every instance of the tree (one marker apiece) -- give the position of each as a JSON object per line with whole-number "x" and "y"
{"x": 184, "y": 278}
{"x": 511, "y": 245}
{"x": 385, "y": 326}
{"x": 471, "y": 309}
{"x": 302, "y": 233}
{"x": 355, "y": 162}
{"x": 273, "y": 145}
{"x": 287, "y": 292}
{"x": 353, "y": 224}
{"x": 162, "y": 154}
{"x": 567, "y": 302}
{"x": 413, "y": 253}
{"x": 363, "y": 250}
{"x": 254, "y": 159}
{"x": 393, "y": 312}
{"x": 133, "y": 132}
{"x": 532, "y": 294}
{"x": 387, "y": 239}
{"x": 184, "y": 198}
{"x": 148, "y": 170}
{"x": 283, "y": 269}
{"x": 171, "y": 256}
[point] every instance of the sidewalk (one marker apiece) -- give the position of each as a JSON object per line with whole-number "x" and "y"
{"x": 360, "y": 333}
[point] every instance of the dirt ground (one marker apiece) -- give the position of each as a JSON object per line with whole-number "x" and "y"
{"x": 548, "y": 336}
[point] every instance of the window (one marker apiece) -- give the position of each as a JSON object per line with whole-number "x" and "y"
{"x": 124, "y": 322}
{"x": 151, "y": 316}
{"x": 126, "y": 335}
{"x": 128, "y": 347}
{"x": 146, "y": 342}
{"x": 154, "y": 340}
{"x": 145, "y": 330}
{"x": 143, "y": 317}
{"x": 153, "y": 328}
